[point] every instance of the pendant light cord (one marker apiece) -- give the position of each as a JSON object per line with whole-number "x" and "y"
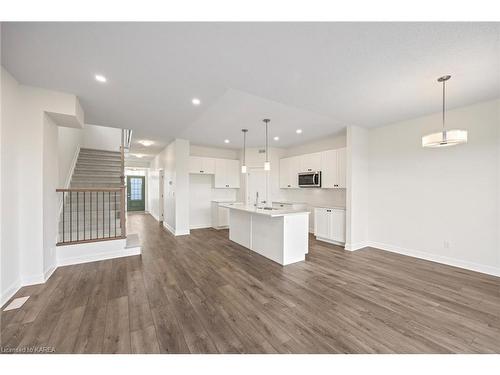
{"x": 267, "y": 145}
{"x": 444, "y": 82}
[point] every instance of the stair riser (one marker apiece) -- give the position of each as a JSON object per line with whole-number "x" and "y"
{"x": 99, "y": 153}
{"x": 99, "y": 158}
{"x": 97, "y": 173}
{"x": 85, "y": 185}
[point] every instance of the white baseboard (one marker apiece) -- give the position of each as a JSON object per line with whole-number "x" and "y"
{"x": 9, "y": 292}
{"x": 356, "y": 246}
{"x": 94, "y": 251}
{"x": 174, "y": 231}
{"x": 330, "y": 241}
{"x": 201, "y": 226}
{"x": 489, "y": 270}
{"x": 49, "y": 272}
{"x": 169, "y": 228}
{"x": 33, "y": 279}
{"x": 100, "y": 256}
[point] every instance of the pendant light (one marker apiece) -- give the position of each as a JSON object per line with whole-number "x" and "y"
{"x": 267, "y": 164}
{"x": 445, "y": 137}
{"x": 244, "y": 165}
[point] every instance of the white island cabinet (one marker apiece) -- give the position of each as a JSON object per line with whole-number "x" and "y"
{"x": 277, "y": 234}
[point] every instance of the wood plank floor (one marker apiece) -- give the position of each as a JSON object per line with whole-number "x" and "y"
{"x": 203, "y": 294}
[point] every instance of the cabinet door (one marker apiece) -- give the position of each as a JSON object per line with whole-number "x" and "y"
{"x": 293, "y": 171}
{"x": 285, "y": 173}
{"x": 223, "y": 216}
{"x": 233, "y": 174}
{"x": 310, "y": 162}
{"x": 321, "y": 222}
{"x": 337, "y": 225}
{"x": 328, "y": 169}
{"x": 341, "y": 168}
{"x": 208, "y": 165}
{"x": 195, "y": 164}
{"x": 220, "y": 173}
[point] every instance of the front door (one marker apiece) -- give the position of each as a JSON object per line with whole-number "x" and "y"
{"x": 135, "y": 193}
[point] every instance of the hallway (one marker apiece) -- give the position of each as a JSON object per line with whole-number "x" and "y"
{"x": 204, "y": 294}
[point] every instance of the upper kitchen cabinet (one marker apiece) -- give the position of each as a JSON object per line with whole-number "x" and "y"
{"x": 289, "y": 172}
{"x": 227, "y": 173}
{"x": 310, "y": 162}
{"x": 333, "y": 169}
{"x": 331, "y": 163}
{"x": 201, "y": 165}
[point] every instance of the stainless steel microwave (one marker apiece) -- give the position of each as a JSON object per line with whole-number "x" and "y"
{"x": 310, "y": 179}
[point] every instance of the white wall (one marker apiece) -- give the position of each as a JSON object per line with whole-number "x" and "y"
{"x": 201, "y": 190}
{"x": 51, "y": 199}
{"x": 331, "y": 142}
{"x": 254, "y": 159}
{"x": 154, "y": 193}
{"x": 9, "y": 239}
{"x": 30, "y": 159}
{"x": 102, "y": 138}
{"x": 69, "y": 142}
{"x": 213, "y": 152}
{"x": 174, "y": 161}
{"x": 358, "y": 187}
{"x": 182, "y": 186}
{"x": 419, "y": 199}
{"x": 201, "y": 194}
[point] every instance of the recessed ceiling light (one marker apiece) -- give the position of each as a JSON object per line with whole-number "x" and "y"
{"x": 226, "y": 140}
{"x": 138, "y": 155}
{"x": 100, "y": 78}
{"x": 298, "y": 131}
{"x": 146, "y": 143}
{"x": 196, "y": 101}
{"x": 276, "y": 138}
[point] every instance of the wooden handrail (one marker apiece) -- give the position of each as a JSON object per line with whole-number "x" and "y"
{"x": 89, "y": 190}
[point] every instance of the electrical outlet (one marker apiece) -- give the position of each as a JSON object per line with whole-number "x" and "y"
{"x": 446, "y": 244}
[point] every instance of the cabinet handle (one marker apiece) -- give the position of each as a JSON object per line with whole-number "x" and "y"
{"x": 201, "y": 171}
{"x": 328, "y": 210}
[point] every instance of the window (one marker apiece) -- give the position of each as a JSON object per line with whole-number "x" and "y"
{"x": 135, "y": 189}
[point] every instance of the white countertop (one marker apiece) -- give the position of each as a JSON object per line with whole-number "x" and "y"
{"x": 260, "y": 211}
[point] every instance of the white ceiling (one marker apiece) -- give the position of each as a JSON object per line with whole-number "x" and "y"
{"x": 319, "y": 76}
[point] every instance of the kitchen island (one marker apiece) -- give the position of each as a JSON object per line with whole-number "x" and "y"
{"x": 281, "y": 235}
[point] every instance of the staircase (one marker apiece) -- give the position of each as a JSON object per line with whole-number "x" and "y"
{"x": 92, "y": 205}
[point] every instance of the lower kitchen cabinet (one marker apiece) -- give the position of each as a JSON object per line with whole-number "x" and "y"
{"x": 329, "y": 224}
{"x": 220, "y": 216}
